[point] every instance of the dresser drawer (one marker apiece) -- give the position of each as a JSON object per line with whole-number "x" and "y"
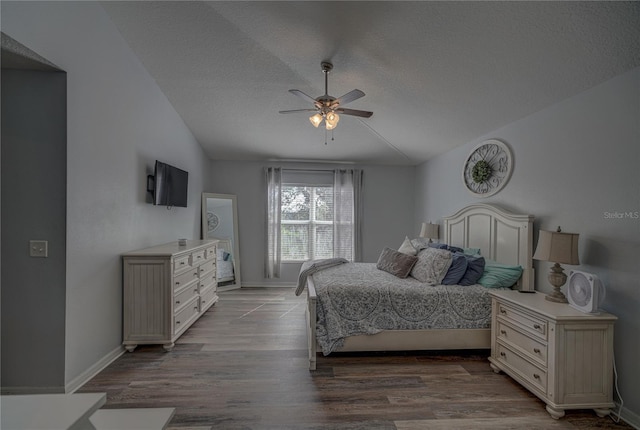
{"x": 183, "y": 318}
{"x": 183, "y": 296}
{"x": 523, "y": 367}
{"x": 207, "y": 266}
{"x": 210, "y": 253}
{"x": 528, "y": 345}
{"x": 530, "y": 323}
{"x": 207, "y": 298}
{"x": 185, "y": 278}
{"x": 207, "y": 280}
{"x": 181, "y": 263}
{"x": 197, "y": 257}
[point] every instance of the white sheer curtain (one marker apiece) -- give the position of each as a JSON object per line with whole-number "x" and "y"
{"x": 274, "y": 196}
{"x": 347, "y": 213}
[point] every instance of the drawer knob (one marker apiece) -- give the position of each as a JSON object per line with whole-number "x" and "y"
{"x": 503, "y": 332}
{"x": 177, "y": 322}
{"x": 536, "y": 326}
{"x": 536, "y": 350}
{"x": 502, "y": 311}
{"x": 502, "y": 354}
{"x": 177, "y": 302}
{"x": 535, "y": 375}
{"x": 199, "y": 256}
{"x": 177, "y": 283}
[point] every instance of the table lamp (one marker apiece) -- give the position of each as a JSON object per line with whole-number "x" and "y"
{"x": 557, "y": 247}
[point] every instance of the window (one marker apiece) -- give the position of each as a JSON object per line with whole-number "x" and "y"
{"x": 306, "y": 226}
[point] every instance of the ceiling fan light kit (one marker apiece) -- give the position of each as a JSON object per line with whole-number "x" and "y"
{"x": 326, "y": 107}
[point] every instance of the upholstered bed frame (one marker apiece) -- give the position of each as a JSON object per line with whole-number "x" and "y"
{"x": 502, "y": 236}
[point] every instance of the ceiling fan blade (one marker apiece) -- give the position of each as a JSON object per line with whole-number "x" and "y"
{"x": 298, "y": 110}
{"x": 303, "y": 95}
{"x": 349, "y": 97}
{"x": 355, "y": 112}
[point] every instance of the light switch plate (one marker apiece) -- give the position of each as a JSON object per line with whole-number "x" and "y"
{"x": 38, "y": 248}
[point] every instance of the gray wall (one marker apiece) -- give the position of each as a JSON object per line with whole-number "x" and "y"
{"x": 388, "y": 208}
{"x": 119, "y": 123}
{"x": 34, "y": 179}
{"x": 575, "y": 162}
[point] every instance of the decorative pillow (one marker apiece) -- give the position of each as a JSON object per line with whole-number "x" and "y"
{"x": 497, "y": 275}
{"x": 471, "y": 251}
{"x": 407, "y": 247}
{"x": 475, "y": 268}
{"x": 396, "y": 263}
{"x": 445, "y": 246}
{"x": 457, "y": 270}
{"x": 432, "y": 265}
{"x": 420, "y": 243}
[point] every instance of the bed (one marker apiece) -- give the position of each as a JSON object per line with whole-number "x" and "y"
{"x": 502, "y": 236}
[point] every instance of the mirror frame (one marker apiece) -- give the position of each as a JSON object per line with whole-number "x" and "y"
{"x": 236, "y": 238}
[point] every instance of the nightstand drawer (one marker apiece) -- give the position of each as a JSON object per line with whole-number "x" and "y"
{"x": 529, "y": 323}
{"x": 524, "y": 368}
{"x": 533, "y": 348}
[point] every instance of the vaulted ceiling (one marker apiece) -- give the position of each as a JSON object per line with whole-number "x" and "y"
{"x": 436, "y": 74}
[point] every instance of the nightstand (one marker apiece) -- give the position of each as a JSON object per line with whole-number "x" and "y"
{"x": 562, "y": 355}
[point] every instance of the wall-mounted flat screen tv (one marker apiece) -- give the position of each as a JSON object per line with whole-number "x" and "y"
{"x": 170, "y": 185}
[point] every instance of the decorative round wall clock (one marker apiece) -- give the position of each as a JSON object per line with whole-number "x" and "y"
{"x": 487, "y": 168}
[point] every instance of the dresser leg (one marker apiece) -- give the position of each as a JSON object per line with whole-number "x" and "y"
{"x": 130, "y": 348}
{"x": 494, "y": 368}
{"x": 556, "y": 414}
{"x": 602, "y": 412}
{"x": 168, "y": 346}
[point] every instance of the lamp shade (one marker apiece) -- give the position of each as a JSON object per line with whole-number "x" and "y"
{"x": 557, "y": 247}
{"x": 429, "y": 230}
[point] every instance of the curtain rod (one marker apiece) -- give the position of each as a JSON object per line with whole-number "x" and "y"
{"x": 307, "y": 170}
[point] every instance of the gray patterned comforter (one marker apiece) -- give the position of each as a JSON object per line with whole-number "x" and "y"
{"x": 357, "y": 298}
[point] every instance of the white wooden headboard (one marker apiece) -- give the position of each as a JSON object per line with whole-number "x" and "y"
{"x": 501, "y": 236}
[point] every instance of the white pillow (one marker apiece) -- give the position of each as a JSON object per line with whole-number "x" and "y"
{"x": 407, "y": 247}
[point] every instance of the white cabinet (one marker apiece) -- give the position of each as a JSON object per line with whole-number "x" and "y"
{"x": 165, "y": 289}
{"x": 562, "y": 355}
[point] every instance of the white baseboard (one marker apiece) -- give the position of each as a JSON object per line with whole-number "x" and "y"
{"x": 627, "y": 416}
{"x": 92, "y": 371}
{"x": 31, "y": 390}
{"x": 268, "y": 285}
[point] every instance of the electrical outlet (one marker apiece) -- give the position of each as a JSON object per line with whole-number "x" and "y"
{"x": 38, "y": 248}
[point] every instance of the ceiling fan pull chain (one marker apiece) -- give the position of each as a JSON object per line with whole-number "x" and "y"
{"x": 325, "y": 136}
{"x": 332, "y": 135}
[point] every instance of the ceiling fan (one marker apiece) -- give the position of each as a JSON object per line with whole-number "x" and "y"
{"x": 326, "y": 107}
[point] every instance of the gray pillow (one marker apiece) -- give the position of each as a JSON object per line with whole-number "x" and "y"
{"x": 396, "y": 263}
{"x": 432, "y": 265}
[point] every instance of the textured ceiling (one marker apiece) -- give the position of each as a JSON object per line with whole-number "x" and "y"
{"x": 436, "y": 74}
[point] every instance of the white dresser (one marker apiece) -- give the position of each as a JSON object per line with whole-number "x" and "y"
{"x": 562, "y": 355}
{"x": 166, "y": 288}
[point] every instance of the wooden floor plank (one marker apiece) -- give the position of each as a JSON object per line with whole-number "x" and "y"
{"x": 244, "y": 365}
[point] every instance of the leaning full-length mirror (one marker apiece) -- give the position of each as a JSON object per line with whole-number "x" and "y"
{"x": 220, "y": 221}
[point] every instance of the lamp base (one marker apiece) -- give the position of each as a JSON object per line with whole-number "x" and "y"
{"x": 557, "y": 278}
{"x": 556, "y": 296}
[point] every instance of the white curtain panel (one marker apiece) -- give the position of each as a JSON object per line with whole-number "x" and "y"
{"x": 274, "y": 196}
{"x": 347, "y": 195}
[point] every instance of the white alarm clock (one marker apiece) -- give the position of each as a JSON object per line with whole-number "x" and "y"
{"x": 585, "y": 291}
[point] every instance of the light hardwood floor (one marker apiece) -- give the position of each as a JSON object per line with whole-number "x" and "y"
{"x": 243, "y": 365}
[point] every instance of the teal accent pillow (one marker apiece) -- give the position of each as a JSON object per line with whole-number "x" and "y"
{"x": 498, "y": 275}
{"x": 471, "y": 251}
